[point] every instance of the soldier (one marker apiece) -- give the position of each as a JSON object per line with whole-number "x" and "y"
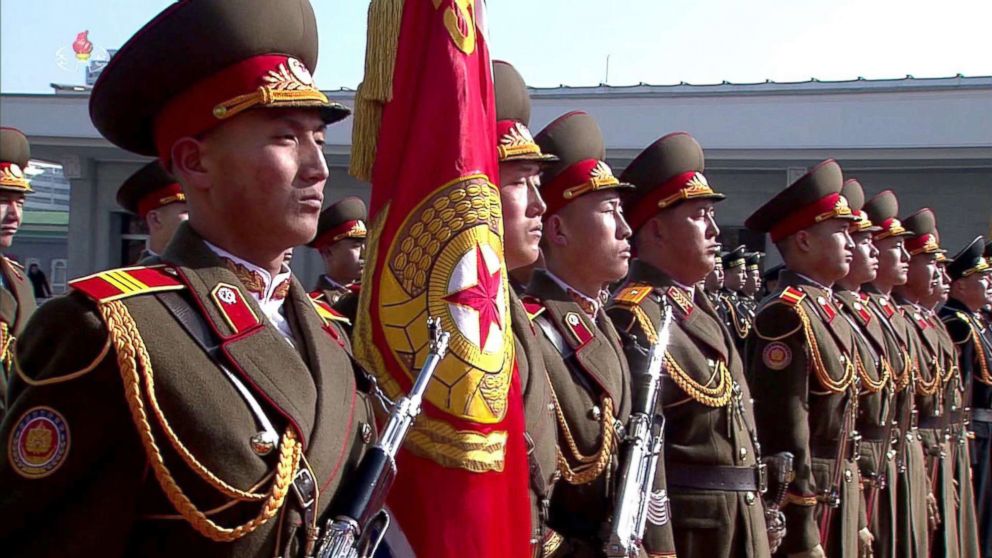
{"x": 157, "y": 199}
{"x": 585, "y": 248}
{"x": 188, "y": 414}
{"x": 934, "y": 377}
{"x": 739, "y": 317}
{"x": 711, "y": 459}
{"x": 969, "y": 273}
{"x": 341, "y": 243}
{"x": 712, "y": 286}
{"x": 770, "y": 280}
{"x": 804, "y": 361}
{"x": 875, "y": 399}
{"x": 16, "y": 295}
{"x": 915, "y": 505}
{"x": 520, "y": 165}
{"x": 752, "y": 281}
{"x": 960, "y": 457}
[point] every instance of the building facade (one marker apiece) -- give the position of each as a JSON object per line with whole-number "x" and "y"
{"x": 930, "y": 140}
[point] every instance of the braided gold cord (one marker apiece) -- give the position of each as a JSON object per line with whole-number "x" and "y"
{"x": 925, "y": 387}
{"x": 870, "y": 384}
{"x": 6, "y": 346}
{"x": 592, "y": 465}
{"x": 902, "y": 380}
{"x": 716, "y": 396}
{"x": 132, "y": 354}
{"x": 984, "y": 377}
{"x": 831, "y": 385}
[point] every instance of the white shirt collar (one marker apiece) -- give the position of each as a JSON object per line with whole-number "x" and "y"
{"x": 585, "y": 301}
{"x": 269, "y": 295}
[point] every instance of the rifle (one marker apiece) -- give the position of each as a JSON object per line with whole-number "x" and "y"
{"x": 831, "y": 494}
{"x": 780, "y": 473}
{"x": 645, "y": 439}
{"x": 357, "y": 530}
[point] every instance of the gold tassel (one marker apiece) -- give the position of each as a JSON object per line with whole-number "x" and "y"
{"x": 376, "y": 89}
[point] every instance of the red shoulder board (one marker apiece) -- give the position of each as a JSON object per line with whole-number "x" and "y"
{"x": 681, "y": 300}
{"x": 532, "y": 306}
{"x": 792, "y": 296}
{"x": 920, "y": 320}
{"x": 327, "y": 312}
{"x": 316, "y": 295}
{"x": 116, "y": 284}
{"x": 355, "y": 287}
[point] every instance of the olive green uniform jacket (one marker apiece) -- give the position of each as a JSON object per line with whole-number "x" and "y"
{"x": 16, "y": 306}
{"x": 590, "y": 388}
{"x": 874, "y": 420}
{"x": 539, "y": 415}
{"x": 709, "y": 422}
{"x": 121, "y": 426}
{"x": 912, "y": 484}
{"x": 802, "y": 356}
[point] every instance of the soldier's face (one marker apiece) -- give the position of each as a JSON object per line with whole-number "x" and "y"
{"x": 734, "y": 278}
{"x": 714, "y": 279}
{"x": 11, "y": 212}
{"x": 687, "y": 235}
{"x": 264, "y": 176}
{"x": 344, "y": 260}
{"x": 753, "y": 283}
{"x": 922, "y": 276}
{"x": 831, "y": 246}
{"x": 972, "y": 290}
{"x": 163, "y": 222}
{"x": 864, "y": 266}
{"x": 522, "y": 212}
{"x": 893, "y": 261}
{"x": 591, "y": 237}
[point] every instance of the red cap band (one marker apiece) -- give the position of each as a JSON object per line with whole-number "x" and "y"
{"x": 579, "y": 178}
{"x": 160, "y": 198}
{"x": 349, "y": 229}
{"x": 267, "y": 79}
{"x": 688, "y": 185}
{"x": 827, "y": 207}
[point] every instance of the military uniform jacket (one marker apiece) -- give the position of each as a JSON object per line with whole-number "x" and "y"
{"x": 590, "y": 388}
{"x": 739, "y": 315}
{"x": 16, "y": 306}
{"x": 539, "y": 412}
{"x": 332, "y": 290}
{"x": 121, "y": 426}
{"x": 709, "y": 420}
{"x": 913, "y": 483}
{"x": 803, "y": 360}
{"x": 931, "y": 370}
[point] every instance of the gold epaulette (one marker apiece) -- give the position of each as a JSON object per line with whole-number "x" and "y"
{"x": 326, "y": 312}
{"x": 126, "y": 282}
{"x": 632, "y": 294}
{"x": 792, "y": 296}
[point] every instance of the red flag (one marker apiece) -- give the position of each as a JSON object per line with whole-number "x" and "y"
{"x": 426, "y": 115}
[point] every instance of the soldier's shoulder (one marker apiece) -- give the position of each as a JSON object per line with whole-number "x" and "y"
{"x": 632, "y": 294}
{"x": 116, "y": 284}
{"x": 776, "y": 316}
{"x": 532, "y": 306}
{"x": 959, "y": 327}
{"x": 16, "y": 264}
{"x": 327, "y": 312}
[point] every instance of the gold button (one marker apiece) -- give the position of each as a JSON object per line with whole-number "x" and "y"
{"x": 743, "y": 453}
{"x": 848, "y": 475}
{"x": 366, "y": 432}
{"x": 595, "y": 413}
{"x": 749, "y": 498}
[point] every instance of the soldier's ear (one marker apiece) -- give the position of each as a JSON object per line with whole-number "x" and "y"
{"x": 554, "y": 232}
{"x": 802, "y": 240}
{"x": 188, "y": 165}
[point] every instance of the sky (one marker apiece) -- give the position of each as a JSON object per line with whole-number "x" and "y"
{"x": 581, "y": 42}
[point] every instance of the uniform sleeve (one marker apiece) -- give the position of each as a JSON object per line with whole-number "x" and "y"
{"x": 72, "y": 470}
{"x": 779, "y": 362}
{"x": 658, "y": 538}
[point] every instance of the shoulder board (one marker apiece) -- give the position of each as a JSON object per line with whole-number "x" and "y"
{"x": 532, "y": 306}
{"x": 355, "y": 287}
{"x": 792, "y": 296}
{"x": 14, "y": 263}
{"x": 316, "y": 295}
{"x": 327, "y": 312}
{"x": 632, "y": 294}
{"x": 126, "y": 282}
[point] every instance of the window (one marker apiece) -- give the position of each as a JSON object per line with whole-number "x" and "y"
{"x": 134, "y": 238}
{"x": 58, "y": 278}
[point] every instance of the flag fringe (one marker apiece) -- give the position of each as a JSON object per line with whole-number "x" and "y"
{"x": 376, "y": 89}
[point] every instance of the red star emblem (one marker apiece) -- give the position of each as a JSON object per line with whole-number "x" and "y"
{"x": 481, "y": 297}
